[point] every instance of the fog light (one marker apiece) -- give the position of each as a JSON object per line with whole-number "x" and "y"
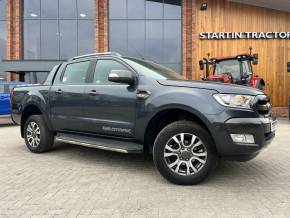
{"x": 243, "y": 138}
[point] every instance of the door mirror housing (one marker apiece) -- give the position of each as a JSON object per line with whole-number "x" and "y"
{"x": 122, "y": 76}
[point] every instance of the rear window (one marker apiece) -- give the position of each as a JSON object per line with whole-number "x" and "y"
{"x": 76, "y": 73}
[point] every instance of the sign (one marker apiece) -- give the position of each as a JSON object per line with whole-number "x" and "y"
{"x": 243, "y": 35}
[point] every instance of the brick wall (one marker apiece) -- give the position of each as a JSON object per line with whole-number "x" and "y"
{"x": 188, "y": 38}
{"x": 14, "y": 34}
{"x": 101, "y": 25}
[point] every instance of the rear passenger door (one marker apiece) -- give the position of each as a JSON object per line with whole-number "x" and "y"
{"x": 110, "y": 107}
{"x": 67, "y": 96}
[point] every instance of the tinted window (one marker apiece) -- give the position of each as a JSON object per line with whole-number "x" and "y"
{"x": 149, "y": 29}
{"x": 68, "y": 38}
{"x": 57, "y": 29}
{"x": 85, "y": 9}
{"x": 103, "y": 69}
{"x": 3, "y": 25}
{"x": 2, "y": 9}
{"x": 32, "y": 39}
{"x": 32, "y": 9}
{"x": 3, "y": 29}
{"x": 49, "y": 9}
{"x": 86, "y": 37}
{"x": 153, "y": 70}
{"x": 67, "y": 9}
{"x": 49, "y": 39}
{"x": 76, "y": 73}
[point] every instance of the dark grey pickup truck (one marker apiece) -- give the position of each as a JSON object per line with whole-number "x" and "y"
{"x": 129, "y": 105}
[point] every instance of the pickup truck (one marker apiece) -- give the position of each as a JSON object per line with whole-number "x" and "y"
{"x": 129, "y": 105}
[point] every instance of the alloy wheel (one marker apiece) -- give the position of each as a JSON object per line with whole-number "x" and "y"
{"x": 33, "y": 134}
{"x": 185, "y": 154}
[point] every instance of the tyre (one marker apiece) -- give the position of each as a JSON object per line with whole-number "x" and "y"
{"x": 37, "y": 136}
{"x": 184, "y": 153}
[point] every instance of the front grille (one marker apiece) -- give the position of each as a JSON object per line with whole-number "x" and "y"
{"x": 262, "y": 105}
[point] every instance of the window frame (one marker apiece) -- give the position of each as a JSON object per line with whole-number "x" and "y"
{"x": 60, "y": 82}
{"x": 94, "y": 64}
{"x": 58, "y": 19}
{"x": 127, "y": 19}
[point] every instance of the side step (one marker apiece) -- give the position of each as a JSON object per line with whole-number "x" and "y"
{"x": 101, "y": 143}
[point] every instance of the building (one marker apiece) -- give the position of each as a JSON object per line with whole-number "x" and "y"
{"x": 37, "y": 34}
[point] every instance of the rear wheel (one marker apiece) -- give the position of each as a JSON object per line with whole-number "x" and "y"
{"x": 184, "y": 153}
{"x": 37, "y": 136}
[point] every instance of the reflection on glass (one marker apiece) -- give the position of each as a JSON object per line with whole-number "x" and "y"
{"x": 154, "y": 9}
{"x": 32, "y": 39}
{"x": 148, "y": 29}
{"x": 49, "y": 39}
{"x": 68, "y": 39}
{"x": 136, "y": 9}
{"x": 58, "y": 29}
{"x": 49, "y": 9}
{"x": 85, "y": 9}
{"x": 31, "y": 9}
{"x": 118, "y": 9}
{"x": 2, "y": 39}
{"x": 118, "y": 36}
{"x": 136, "y": 38}
{"x": 68, "y": 9}
{"x": 2, "y": 9}
{"x": 86, "y": 37}
{"x": 172, "y": 9}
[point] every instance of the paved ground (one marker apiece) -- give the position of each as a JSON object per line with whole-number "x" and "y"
{"x": 75, "y": 181}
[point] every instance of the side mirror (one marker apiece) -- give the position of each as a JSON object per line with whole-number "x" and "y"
{"x": 255, "y": 59}
{"x": 288, "y": 67}
{"x": 201, "y": 65}
{"x": 122, "y": 76}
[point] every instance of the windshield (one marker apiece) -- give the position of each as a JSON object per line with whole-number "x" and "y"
{"x": 152, "y": 70}
{"x": 233, "y": 67}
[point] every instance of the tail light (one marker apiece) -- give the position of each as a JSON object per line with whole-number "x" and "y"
{"x": 11, "y": 99}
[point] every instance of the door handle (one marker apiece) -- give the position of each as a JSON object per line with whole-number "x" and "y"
{"x": 143, "y": 94}
{"x": 93, "y": 93}
{"x": 59, "y": 91}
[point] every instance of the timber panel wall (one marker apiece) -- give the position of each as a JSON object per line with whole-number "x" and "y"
{"x": 224, "y": 16}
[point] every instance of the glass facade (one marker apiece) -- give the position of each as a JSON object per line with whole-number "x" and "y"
{"x": 3, "y": 29}
{"x": 58, "y": 29}
{"x": 149, "y": 29}
{"x": 33, "y": 77}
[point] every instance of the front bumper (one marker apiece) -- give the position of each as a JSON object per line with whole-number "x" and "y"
{"x": 260, "y": 128}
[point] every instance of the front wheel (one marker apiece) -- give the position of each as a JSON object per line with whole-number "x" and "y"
{"x": 37, "y": 136}
{"x": 184, "y": 153}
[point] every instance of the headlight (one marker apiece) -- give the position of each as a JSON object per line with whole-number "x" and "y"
{"x": 231, "y": 100}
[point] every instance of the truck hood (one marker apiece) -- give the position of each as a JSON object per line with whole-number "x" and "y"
{"x": 219, "y": 87}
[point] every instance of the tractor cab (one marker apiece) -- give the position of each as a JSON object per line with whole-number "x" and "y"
{"x": 232, "y": 69}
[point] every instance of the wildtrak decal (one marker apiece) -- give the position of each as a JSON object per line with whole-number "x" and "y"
{"x": 116, "y": 129}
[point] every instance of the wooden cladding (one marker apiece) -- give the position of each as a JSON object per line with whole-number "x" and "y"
{"x": 274, "y": 54}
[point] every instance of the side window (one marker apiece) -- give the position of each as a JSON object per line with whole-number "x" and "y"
{"x": 76, "y": 73}
{"x": 102, "y": 70}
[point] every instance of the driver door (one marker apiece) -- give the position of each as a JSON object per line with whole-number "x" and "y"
{"x": 110, "y": 108}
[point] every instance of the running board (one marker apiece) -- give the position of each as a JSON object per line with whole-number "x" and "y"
{"x": 100, "y": 143}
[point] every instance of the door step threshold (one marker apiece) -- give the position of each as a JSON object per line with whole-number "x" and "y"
{"x": 100, "y": 143}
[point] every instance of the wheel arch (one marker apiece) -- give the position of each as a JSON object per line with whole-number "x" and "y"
{"x": 169, "y": 115}
{"x": 30, "y": 110}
